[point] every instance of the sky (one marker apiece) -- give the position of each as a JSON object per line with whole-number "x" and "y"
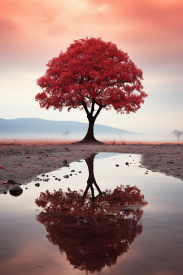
{"x": 34, "y": 31}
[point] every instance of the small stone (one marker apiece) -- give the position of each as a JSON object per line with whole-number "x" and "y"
{"x": 43, "y": 175}
{"x": 16, "y": 191}
{"x": 66, "y": 176}
{"x": 37, "y": 184}
{"x": 117, "y": 165}
{"x": 72, "y": 170}
{"x": 127, "y": 163}
{"x": 5, "y": 193}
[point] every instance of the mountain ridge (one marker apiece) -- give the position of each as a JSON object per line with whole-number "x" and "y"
{"x": 38, "y": 127}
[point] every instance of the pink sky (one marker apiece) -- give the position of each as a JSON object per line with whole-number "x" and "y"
{"x": 34, "y": 31}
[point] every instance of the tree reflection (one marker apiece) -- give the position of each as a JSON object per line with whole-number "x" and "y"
{"x": 92, "y": 230}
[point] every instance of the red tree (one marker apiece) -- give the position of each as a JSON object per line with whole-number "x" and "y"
{"x": 92, "y": 233}
{"x": 92, "y": 73}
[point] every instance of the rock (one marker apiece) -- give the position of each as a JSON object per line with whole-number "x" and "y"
{"x": 12, "y": 182}
{"x": 127, "y": 163}
{"x": 5, "y": 192}
{"x": 117, "y": 165}
{"x": 66, "y": 176}
{"x": 79, "y": 171}
{"x": 37, "y": 184}
{"x": 72, "y": 170}
{"x": 16, "y": 191}
{"x": 43, "y": 175}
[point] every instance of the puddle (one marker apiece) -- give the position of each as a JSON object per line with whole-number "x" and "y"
{"x": 94, "y": 230}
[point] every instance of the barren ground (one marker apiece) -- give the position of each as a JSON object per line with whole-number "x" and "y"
{"x": 23, "y": 163}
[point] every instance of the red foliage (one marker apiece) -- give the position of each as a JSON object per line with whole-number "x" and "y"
{"x": 92, "y": 69}
{"x": 93, "y": 233}
{"x": 91, "y": 72}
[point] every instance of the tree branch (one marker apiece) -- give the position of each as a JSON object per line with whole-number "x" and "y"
{"x": 92, "y": 108}
{"x": 98, "y": 111}
{"x": 96, "y": 185}
{"x": 101, "y": 91}
{"x": 85, "y": 107}
{"x": 92, "y": 191}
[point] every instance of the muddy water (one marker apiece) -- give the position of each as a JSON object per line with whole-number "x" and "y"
{"x": 129, "y": 238}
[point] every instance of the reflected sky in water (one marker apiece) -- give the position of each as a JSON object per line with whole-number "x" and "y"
{"x": 25, "y": 249}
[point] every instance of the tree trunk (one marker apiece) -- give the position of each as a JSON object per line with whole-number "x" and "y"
{"x": 90, "y": 133}
{"x": 89, "y": 138}
{"x": 91, "y": 178}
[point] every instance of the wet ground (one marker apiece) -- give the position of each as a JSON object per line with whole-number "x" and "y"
{"x": 22, "y": 163}
{"x": 133, "y": 229}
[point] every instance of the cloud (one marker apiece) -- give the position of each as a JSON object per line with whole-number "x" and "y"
{"x": 41, "y": 11}
{"x": 152, "y": 24}
{"x": 55, "y": 30}
{"x": 151, "y": 28}
{"x": 8, "y": 27}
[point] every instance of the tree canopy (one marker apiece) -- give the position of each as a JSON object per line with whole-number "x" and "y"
{"x": 92, "y": 73}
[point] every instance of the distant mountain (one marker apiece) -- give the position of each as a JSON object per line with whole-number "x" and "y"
{"x": 42, "y": 128}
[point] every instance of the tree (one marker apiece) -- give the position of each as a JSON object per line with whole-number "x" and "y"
{"x": 92, "y": 73}
{"x": 120, "y": 133}
{"x": 100, "y": 228}
{"x": 66, "y": 134}
{"x": 177, "y": 133}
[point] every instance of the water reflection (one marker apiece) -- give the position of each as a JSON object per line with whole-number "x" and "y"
{"x": 93, "y": 230}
